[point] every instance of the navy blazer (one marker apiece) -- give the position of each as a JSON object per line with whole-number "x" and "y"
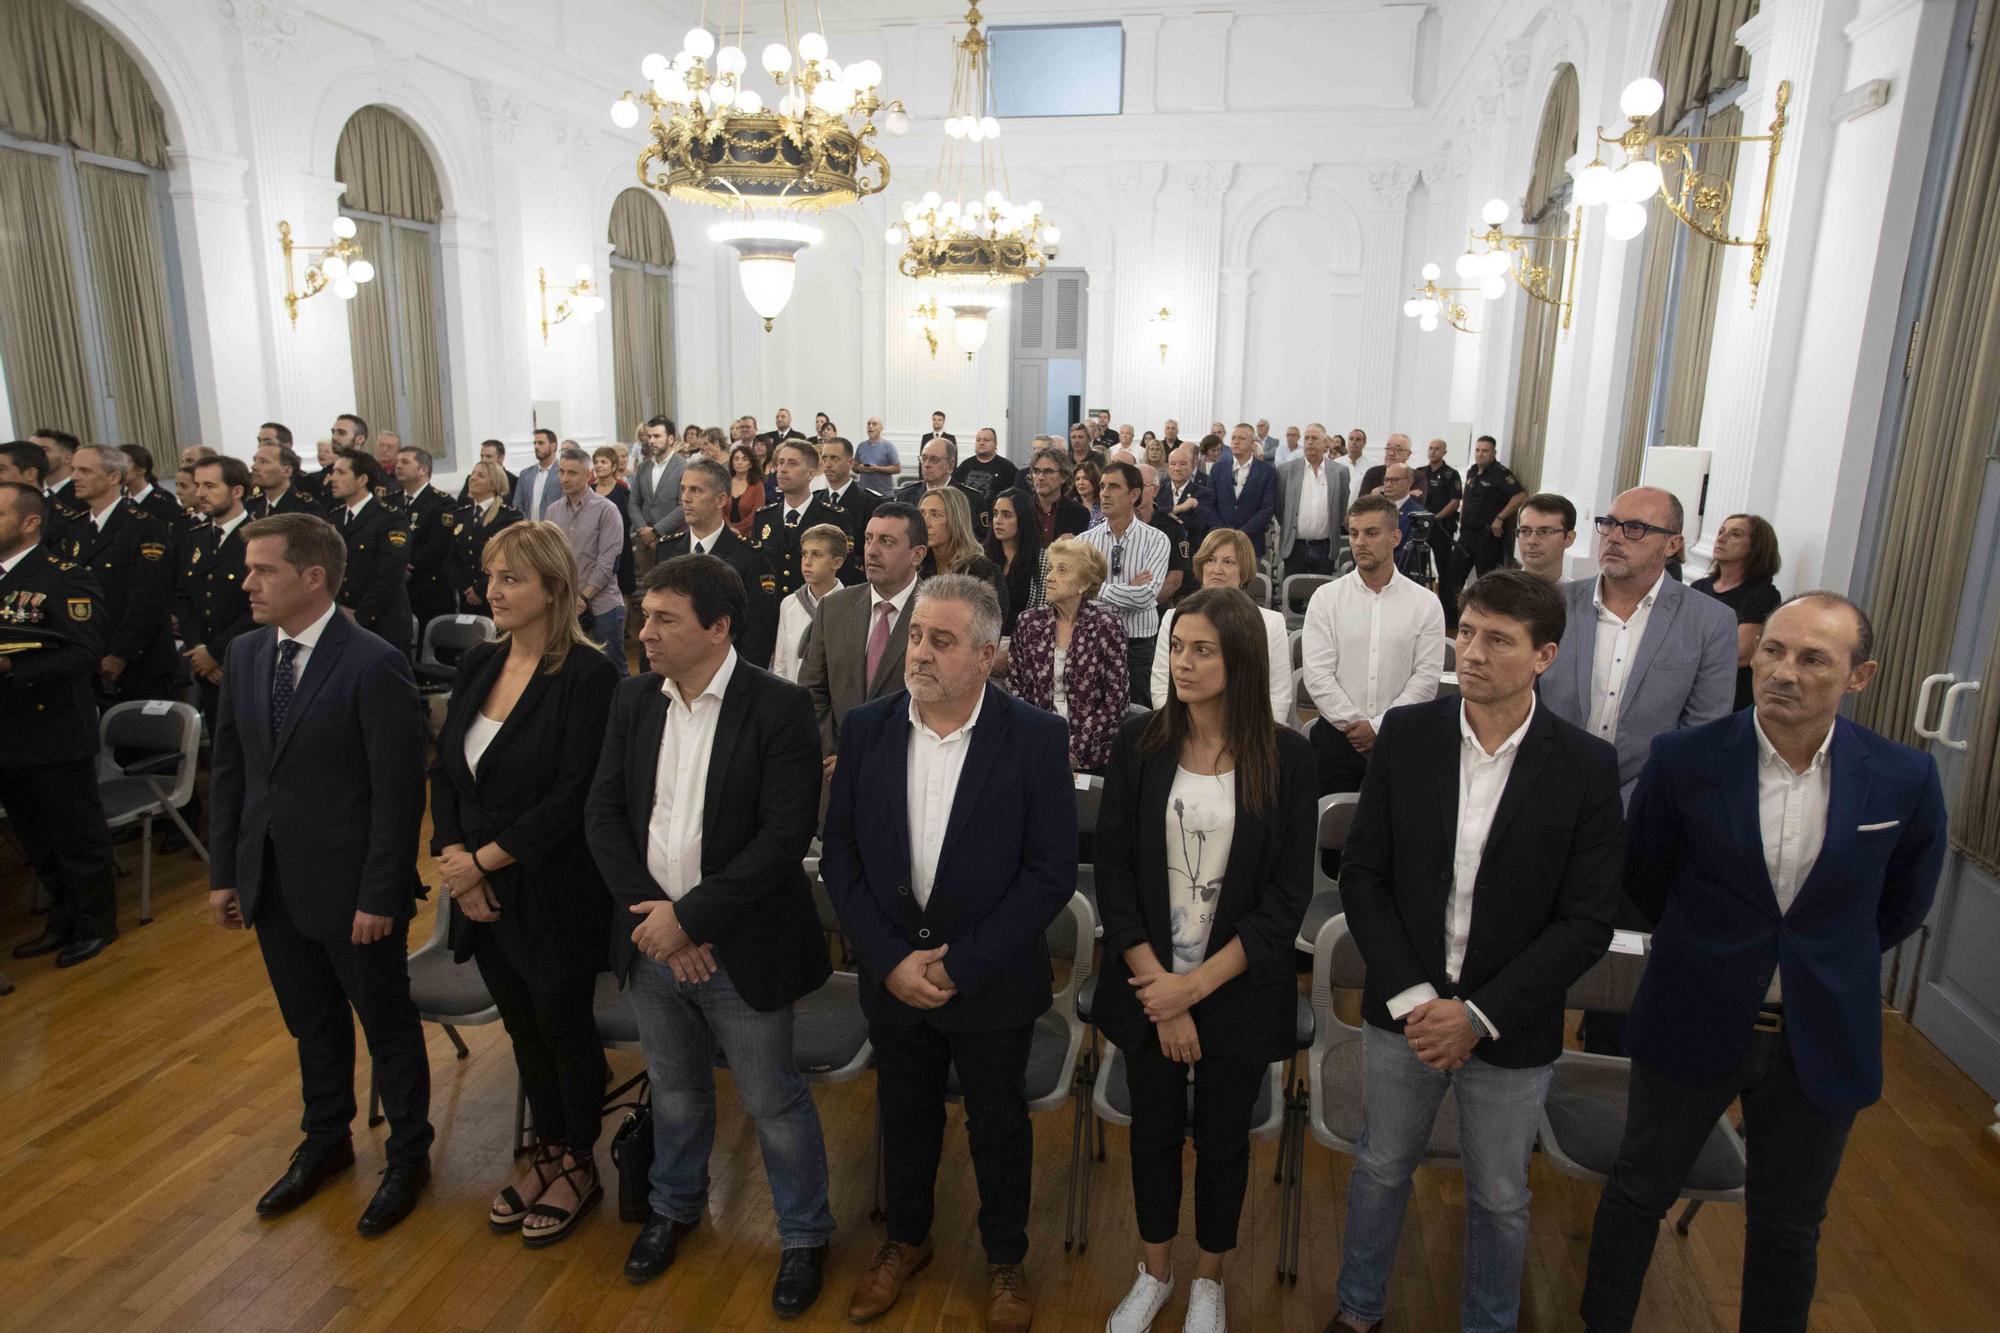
{"x": 1695, "y": 867}
{"x": 338, "y": 793}
{"x": 1007, "y": 867}
{"x": 1250, "y": 507}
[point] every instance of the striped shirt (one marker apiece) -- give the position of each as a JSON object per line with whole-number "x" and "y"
{"x": 1139, "y": 550}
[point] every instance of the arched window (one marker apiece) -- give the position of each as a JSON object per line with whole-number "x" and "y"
{"x": 395, "y": 324}
{"x": 642, "y": 311}
{"x": 1545, "y": 208}
{"x": 93, "y": 333}
{"x": 1703, "y": 71}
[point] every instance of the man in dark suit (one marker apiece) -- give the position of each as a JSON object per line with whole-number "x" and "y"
{"x": 704, "y": 505}
{"x": 1244, "y": 488}
{"x": 274, "y": 468}
{"x": 375, "y": 591}
{"x": 1184, "y": 494}
{"x": 856, "y": 502}
{"x": 946, "y": 901}
{"x": 1480, "y": 881}
{"x": 1777, "y": 854}
{"x": 855, "y": 650}
{"x": 318, "y": 792}
{"x": 938, "y": 432}
{"x": 125, "y": 550}
{"x": 699, "y": 817}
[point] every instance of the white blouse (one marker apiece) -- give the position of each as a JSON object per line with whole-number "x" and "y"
{"x": 478, "y": 736}
{"x": 1201, "y": 822}
{"x": 1059, "y": 688}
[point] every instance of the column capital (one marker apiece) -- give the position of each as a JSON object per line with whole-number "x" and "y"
{"x": 1389, "y": 186}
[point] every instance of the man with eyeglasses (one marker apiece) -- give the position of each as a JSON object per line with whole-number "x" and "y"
{"x": 1056, "y": 514}
{"x": 1492, "y": 497}
{"x": 1547, "y": 531}
{"x": 1137, "y": 557}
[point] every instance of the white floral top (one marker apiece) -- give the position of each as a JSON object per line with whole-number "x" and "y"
{"x": 1201, "y": 820}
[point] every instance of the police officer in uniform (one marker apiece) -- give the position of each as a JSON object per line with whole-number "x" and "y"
{"x": 210, "y": 606}
{"x": 275, "y": 470}
{"x": 704, "y": 506}
{"x": 124, "y": 550}
{"x": 776, "y": 528}
{"x": 1441, "y": 490}
{"x": 375, "y": 590}
{"x": 471, "y": 525}
{"x": 425, "y": 510}
{"x": 51, "y": 641}
{"x": 1492, "y": 495}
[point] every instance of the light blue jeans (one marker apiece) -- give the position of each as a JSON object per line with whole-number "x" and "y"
{"x": 1499, "y": 1112}
{"x": 680, "y": 1025}
{"x": 608, "y": 627}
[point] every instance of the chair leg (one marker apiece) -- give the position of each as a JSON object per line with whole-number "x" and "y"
{"x": 1075, "y": 1145}
{"x": 1687, "y": 1216}
{"x": 145, "y": 872}
{"x": 1298, "y": 1191}
{"x": 187, "y": 832}
{"x": 375, "y": 1116}
{"x": 457, "y": 1042}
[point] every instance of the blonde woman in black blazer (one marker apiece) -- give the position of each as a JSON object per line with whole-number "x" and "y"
{"x": 1204, "y": 867}
{"x": 514, "y": 761}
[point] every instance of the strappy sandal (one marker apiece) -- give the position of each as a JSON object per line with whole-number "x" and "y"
{"x": 589, "y": 1189}
{"x": 510, "y": 1209}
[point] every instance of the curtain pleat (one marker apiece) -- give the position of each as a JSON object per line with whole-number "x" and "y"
{"x": 628, "y": 344}
{"x": 1554, "y": 144}
{"x": 1943, "y": 451}
{"x": 639, "y": 230}
{"x": 128, "y": 264}
{"x": 386, "y": 167}
{"x": 1698, "y": 56}
{"x": 64, "y": 79}
{"x": 1700, "y": 295}
{"x": 642, "y": 314}
{"x": 368, "y": 332}
{"x": 416, "y": 294}
{"x": 1541, "y": 322}
{"x": 40, "y": 332}
{"x": 660, "y": 362}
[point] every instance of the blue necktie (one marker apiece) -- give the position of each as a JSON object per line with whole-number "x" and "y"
{"x": 282, "y": 684}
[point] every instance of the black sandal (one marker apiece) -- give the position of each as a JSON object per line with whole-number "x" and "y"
{"x": 517, "y": 1209}
{"x": 589, "y": 1188}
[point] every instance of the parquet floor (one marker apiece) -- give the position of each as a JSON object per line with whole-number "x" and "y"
{"x": 147, "y": 1098}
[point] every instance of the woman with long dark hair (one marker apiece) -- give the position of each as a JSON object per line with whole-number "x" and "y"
{"x": 1204, "y": 866}
{"x": 1740, "y": 577}
{"x": 1015, "y": 545}
{"x": 746, "y": 489}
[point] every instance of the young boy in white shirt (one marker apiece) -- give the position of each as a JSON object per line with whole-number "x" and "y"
{"x": 822, "y": 549}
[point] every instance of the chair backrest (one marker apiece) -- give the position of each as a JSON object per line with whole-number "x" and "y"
{"x": 1089, "y": 795}
{"x": 156, "y": 724}
{"x": 1297, "y": 590}
{"x": 1298, "y": 643}
{"x": 1302, "y": 701}
{"x": 1451, "y": 655}
{"x": 1336, "y": 817}
{"x": 1448, "y": 685}
{"x": 447, "y": 637}
{"x": 829, "y": 918}
{"x": 1336, "y": 965}
{"x": 1073, "y": 936}
{"x": 1260, "y": 590}
{"x": 1609, "y": 986}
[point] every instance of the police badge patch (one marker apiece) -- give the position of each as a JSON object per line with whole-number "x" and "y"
{"x": 153, "y": 550}
{"x": 79, "y": 609}
{"x": 397, "y": 537}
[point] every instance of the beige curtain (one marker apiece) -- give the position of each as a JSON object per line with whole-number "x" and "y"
{"x": 1700, "y": 294}
{"x": 1541, "y": 326}
{"x": 128, "y": 265}
{"x": 417, "y": 313}
{"x": 642, "y": 316}
{"x": 1698, "y": 56}
{"x": 1553, "y": 145}
{"x": 660, "y": 362}
{"x": 368, "y": 334}
{"x": 1945, "y": 449}
{"x": 386, "y": 167}
{"x": 628, "y": 341}
{"x": 639, "y": 230}
{"x": 41, "y": 336}
{"x": 64, "y": 79}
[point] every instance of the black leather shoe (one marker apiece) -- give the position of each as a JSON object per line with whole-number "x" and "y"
{"x": 801, "y": 1273}
{"x": 395, "y": 1197}
{"x": 653, "y": 1252}
{"x": 47, "y": 942}
{"x": 80, "y": 951}
{"x": 311, "y": 1167}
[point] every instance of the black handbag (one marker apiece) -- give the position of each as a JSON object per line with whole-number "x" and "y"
{"x": 632, "y": 1155}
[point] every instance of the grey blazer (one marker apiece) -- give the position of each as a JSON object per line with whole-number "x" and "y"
{"x": 1291, "y": 477}
{"x": 837, "y": 658}
{"x": 657, "y": 506}
{"x": 1683, "y": 675}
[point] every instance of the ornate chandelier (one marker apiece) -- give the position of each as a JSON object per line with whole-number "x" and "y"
{"x": 966, "y": 232}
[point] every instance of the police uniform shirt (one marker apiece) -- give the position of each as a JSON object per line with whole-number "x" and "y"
{"x": 776, "y": 529}
{"x": 125, "y": 549}
{"x": 48, "y": 709}
{"x": 429, "y": 546}
{"x": 1441, "y": 486}
{"x": 471, "y": 527}
{"x": 292, "y": 501}
{"x": 161, "y": 506}
{"x": 1179, "y": 555}
{"x": 758, "y": 635}
{"x": 1487, "y": 491}
{"x": 216, "y": 607}
{"x": 374, "y": 587}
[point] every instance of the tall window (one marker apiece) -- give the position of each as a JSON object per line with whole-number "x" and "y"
{"x": 93, "y": 327}
{"x": 395, "y": 324}
{"x": 642, "y": 312}
{"x": 1545, "y": 208}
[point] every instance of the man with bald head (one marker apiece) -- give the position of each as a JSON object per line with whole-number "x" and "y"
{"x": 1397, "y": 491}
{"x": 1184, "y": 492}
{"x": 1395, "y": 450}
{"x": 1314, "y": 505}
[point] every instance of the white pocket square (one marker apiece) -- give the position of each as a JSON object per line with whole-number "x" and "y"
{"x": 1877, "y": 828}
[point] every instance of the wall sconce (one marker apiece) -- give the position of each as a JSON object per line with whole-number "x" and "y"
{"x": 1515, "y": 254}
{"x": 924, "y": 320}
{"x": 339, "y": 266}
{"x": 1165, "y": 324}
{"x": 1433, "y": 302}
{"x": 1699, "y": 199}
{"x": 579, "y": 298}
{"x": 968, "y": 327}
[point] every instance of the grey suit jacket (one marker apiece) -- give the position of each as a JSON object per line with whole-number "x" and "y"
{"x": 1683, "y": 675}
{"x": 837, "y": 658}
{"x": 1291, "y": 477}
{"x": 657, "y": 505}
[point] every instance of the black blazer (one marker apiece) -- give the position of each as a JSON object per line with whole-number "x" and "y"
{"x": 1548, "y": 888}
{"x": 376, "y": 587}
{"x": 757, "y": 637}
{"x": 528, "y": 797}
{"x": 1265, "y": 888}
{"x": 130, "y": 557}
{"x": 338, "y": 794}
{"x": 753, "y": 904}
{"x": 1007, "y": 866}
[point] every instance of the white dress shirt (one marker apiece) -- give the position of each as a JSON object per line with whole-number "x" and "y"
{"x": 1366, "y": 652}
{"x": 680, "y": 784}
{"x": 7, "y": 565}
{"x": 1312, "y": 503}
{"x": 355, "y": 507}
{"x": 1482, "y": 778}
{"x": 704, "y": 544}
{"x": 795, "y": 617}
{"x": 307, "y": 639}
{"x": 1617, "y": 642}
{"x": 935, "y": 765}
{"x": 875, "y": 600}
{"x": 1791, "y": 814}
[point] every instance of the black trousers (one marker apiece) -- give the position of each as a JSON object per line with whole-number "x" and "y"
{"x": 1309, "y": 558}
{"x": 556, "y": 1047}
{"x": 317, "y": 982}
{"x": 1794, "y": 1154}
{"x": 911, "y": 1065}
{"x": 56, "y": 811}
{"x": 1478, "y": 551}
{"x": 1139, "y": 669}
{"x": 1224, "y": 1093}
{"x": 1341, "y": 766}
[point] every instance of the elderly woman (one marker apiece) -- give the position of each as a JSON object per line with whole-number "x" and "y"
{"x": 1068, "y": 656}
{"x": 1226, "y": 560}
{"x": 472, "y": 526}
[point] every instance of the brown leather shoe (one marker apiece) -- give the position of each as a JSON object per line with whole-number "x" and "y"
{"x": 893, "y": 1265}
{"x": 1007, "y": 1307}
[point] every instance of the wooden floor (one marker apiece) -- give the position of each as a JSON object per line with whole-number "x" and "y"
{"x": 148, "y": 1097}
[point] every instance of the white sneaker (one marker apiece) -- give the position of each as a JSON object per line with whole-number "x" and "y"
{"x": 1148, "y": 1296}
{"x": 1206, "y": 1313}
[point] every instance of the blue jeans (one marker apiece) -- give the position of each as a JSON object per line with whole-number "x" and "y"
{"x": 680, "y": 1025}
{"x": 1499, "y": 1112}
{"x": 608, "y": 628}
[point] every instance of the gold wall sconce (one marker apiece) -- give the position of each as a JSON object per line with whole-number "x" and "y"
{"x": 1165, "y": 324}
{"x": 1432, "y": 303}
{"x": 339, "y": 266}
{"x": 924, "y": 320}
{"x": 1526, "y": 257}
{"x": 579, "y": 298}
